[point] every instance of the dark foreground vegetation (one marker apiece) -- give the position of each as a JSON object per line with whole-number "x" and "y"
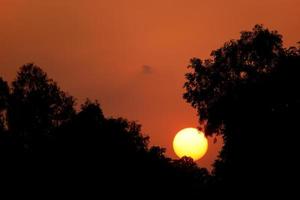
{"x": 248, "y": 92}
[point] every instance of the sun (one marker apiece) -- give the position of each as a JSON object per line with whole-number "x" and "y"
{"x": 190, "y": 142}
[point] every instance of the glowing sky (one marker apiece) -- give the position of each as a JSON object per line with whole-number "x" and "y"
{"x": 132, "y": 55}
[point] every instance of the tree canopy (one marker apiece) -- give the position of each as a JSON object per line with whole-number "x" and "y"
{"x": 47, "y": 140}
{"x": 249, "y": 93}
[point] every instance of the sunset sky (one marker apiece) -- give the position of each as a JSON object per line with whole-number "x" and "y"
{"x": 132, "y": 55}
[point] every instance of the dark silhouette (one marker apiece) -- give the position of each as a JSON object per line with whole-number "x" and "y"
{"x": 3, "y": 103}
{"x": 249, "y": 93}
{"x": 45, "y": 140}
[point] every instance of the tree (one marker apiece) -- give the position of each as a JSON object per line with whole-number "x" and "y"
{"x": 4, "y": 93}
{"x": 246, "y": 60}
{"x": 82, "y": 150}
{"x": 36, "y": 105}
{"x": 249, "y": 93}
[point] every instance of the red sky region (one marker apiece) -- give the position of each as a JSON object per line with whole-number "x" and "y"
{"x": 132, "y": 55}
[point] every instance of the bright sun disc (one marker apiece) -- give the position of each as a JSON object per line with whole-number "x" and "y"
{"x": 190, "y": 142}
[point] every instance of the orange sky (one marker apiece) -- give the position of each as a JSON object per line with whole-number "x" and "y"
{"x": 132, "y": 55}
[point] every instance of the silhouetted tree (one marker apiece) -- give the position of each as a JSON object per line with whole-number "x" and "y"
{"x": 238, "y": 62}
{"x": 249, "y": 93}
{"x": 36, "y": 106}
{"x": 4, "y": 93}
{"x": 73, "y": 151}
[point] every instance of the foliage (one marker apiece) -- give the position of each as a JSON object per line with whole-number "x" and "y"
{"x": 246, "y": 60}
{"x": 81, "y": 149}
{"x": 249, "y": 93}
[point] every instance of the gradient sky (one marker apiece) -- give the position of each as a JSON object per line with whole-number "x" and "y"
{"x": 132, "y": 55}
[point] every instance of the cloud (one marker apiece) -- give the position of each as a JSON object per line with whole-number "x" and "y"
{"x": 146, "y": 69}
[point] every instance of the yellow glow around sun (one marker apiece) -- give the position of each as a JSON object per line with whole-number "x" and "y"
{"x": 190, "y": 142}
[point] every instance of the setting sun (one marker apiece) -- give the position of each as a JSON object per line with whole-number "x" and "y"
{"x": 190, "y": 142}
